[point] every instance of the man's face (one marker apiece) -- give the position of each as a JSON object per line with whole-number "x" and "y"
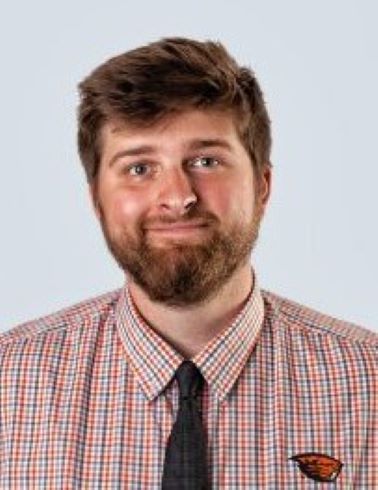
{"x": 177, "y": 204}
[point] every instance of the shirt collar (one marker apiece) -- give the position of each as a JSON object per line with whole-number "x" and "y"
{"x": 221, "y": 361}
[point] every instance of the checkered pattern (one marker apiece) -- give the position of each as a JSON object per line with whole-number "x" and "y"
{"x": 88, "y": 399}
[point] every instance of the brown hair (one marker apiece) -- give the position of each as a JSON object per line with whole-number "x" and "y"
{"x": 147, "y": 83}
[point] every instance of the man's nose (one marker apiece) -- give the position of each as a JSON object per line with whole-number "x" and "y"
{"x": 176, "y": 194}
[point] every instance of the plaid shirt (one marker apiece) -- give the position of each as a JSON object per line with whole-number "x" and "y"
{"x": 88, "y": 399}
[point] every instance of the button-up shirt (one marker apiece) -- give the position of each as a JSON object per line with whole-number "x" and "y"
{"x": 88, "y": 399}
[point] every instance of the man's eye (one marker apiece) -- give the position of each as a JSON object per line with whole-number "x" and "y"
{"x": 137, "y": 169}
{"x": 204, "y": 162}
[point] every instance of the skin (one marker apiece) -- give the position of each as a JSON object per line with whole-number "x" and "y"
{"x": 170, "y": 190}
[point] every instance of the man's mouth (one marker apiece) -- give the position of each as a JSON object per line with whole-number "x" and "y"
{"x": 179, "y": 228}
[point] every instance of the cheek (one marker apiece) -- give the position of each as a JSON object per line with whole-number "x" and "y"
{"x": 124, "y": 208}
{"x": 232, "y": 199}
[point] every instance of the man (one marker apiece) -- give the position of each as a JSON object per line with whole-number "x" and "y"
{"x": 189, "y": 376}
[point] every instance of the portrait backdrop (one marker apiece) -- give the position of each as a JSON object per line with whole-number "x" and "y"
{"x": 317, "y": 63}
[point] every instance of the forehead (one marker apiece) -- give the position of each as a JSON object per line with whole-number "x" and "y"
{"x": 176, "y": 128}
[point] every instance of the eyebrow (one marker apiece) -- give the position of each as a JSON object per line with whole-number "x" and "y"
{"x": 197, "y": 144}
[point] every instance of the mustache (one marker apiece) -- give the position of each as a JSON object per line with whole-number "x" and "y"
{"x": 204, "y": 216}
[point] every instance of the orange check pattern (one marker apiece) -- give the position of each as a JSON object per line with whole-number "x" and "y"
{"x": 87, "y": 398}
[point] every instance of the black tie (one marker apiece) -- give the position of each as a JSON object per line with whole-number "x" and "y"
{"x": 185, "y": 458}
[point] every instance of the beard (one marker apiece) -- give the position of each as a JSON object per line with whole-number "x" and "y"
{"x": 183, "y": 274}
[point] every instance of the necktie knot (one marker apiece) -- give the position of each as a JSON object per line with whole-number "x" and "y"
{"x": 190, "y": 380}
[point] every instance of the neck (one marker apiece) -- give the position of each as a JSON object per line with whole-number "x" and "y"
{"x": 189, "y": 329}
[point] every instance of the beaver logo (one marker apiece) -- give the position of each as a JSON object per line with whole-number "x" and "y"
{"x": 319, "y": 467}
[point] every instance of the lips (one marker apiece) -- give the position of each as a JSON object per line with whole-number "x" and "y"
{"x": 184, "y": 226}
{"x": 178, "y": 231}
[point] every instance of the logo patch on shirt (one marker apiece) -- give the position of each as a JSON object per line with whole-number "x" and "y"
{"x": 318, "y": 467}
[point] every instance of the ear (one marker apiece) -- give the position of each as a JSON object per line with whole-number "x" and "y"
{"x": 92, "y": 190}
{"x": 264, "y": 186}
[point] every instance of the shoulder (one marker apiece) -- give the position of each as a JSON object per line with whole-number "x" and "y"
{"x": 65, "y": 321}
{"x": 308, "y": 321}
{"x": 330, "y": 351}
{"x": 321, "y": 343}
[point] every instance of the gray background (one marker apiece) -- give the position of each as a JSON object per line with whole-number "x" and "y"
{"x": 318, "y": 66}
